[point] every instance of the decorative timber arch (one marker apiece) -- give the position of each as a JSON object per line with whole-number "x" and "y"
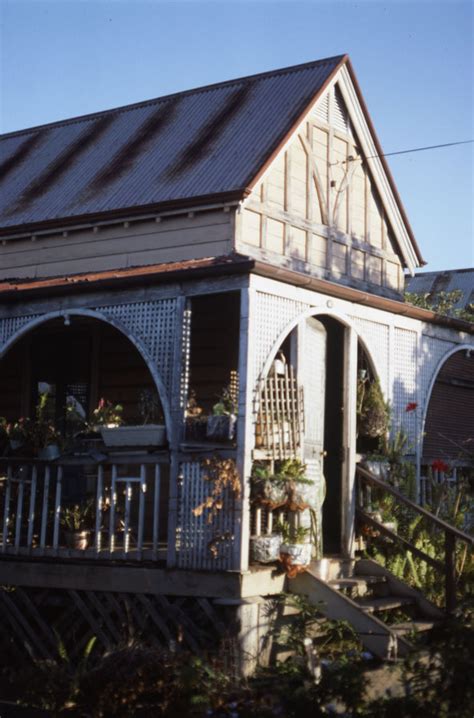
{"x": 307, "y": 314}
{"x": 13, "y": 329}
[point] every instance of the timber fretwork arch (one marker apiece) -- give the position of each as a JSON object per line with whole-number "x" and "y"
{"x": 153, "y": 327}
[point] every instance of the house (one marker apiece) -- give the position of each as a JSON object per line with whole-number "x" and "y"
{"x": 431, "y": 284}
{"x": 245, "y": 236}
{"x": 453, "y": 389}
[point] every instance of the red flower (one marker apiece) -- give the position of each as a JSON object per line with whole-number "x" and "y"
{"x": 440, "y": 465}
{"x": 411, "y": 406}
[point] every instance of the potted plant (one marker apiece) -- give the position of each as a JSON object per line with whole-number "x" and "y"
{"x": 76, "y": 521}
{"x": 373, "y": 412}
{"x": 221, "y": 424}
{"x": 20, "y": 435}
{"x": 195, "y": 420}
{"x": 109, "y": 418}
{"x": 287, "y": 486}
{"x": 296, "y": 548}
{"x": 266, "y": 547}
{"x": 106, "y": 415}
{"x": 46, "y": 439}
{"x": 267, "y": 487}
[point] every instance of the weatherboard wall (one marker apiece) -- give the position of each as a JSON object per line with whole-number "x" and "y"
{"x": 128, "y": 244}
{"x": 317, "y": 209}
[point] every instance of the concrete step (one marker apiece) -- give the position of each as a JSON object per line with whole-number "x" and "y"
{"x": 387, "y": 603}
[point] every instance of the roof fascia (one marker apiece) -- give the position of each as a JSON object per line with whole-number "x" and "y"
{"x": 378, "y": 166}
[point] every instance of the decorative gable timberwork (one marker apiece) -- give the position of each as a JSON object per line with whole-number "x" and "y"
{"x": 318, "y": 208}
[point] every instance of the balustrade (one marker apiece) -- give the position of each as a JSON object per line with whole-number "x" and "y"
{"x": 109, "y": 510}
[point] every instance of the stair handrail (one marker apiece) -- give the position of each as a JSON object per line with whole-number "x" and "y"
{"x": 451, "y": 534}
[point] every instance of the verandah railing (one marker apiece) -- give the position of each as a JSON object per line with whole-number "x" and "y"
{"x": 373, "y": 492}
{"x": 125, "y": 518}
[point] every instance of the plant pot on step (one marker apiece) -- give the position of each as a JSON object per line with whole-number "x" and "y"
{"x": 298, "y": 553}
{"x": 265, "y": 549}
{"x": 295, "y": 557}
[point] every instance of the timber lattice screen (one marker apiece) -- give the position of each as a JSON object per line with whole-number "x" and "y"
{"x": 280, "y": 417}
{"x": 37, "y": 623}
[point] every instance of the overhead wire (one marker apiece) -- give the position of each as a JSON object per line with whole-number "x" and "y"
{"x": 404, "y": 152}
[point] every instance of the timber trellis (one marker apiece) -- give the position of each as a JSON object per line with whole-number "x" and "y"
{"x": 280, "y": 418}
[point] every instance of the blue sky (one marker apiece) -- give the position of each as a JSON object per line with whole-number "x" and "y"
{"x": 414, "y": 62}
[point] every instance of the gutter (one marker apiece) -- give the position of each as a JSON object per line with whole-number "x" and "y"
{"x": 142, "y": 212}
{"x": 15, "y": 291}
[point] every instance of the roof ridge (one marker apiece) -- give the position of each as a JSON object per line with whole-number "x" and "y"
{"x": 164, "y": 98}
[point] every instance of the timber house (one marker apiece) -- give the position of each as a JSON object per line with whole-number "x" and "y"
{"x": 223, "y": 263}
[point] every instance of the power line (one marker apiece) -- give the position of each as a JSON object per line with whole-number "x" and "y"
{"x": 404, "y": 152}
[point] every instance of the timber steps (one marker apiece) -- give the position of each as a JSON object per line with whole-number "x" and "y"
{"x": 385, "y": 612}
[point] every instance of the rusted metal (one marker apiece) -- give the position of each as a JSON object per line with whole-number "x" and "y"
{"x": 128, "y": 154}
{"x": 202, "y": 144}
{"x": 44, "y": 182}
{"x": 20, "y": 154}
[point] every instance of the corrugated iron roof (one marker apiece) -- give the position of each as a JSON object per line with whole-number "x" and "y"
{"x": 199, "y": 143}
{"x": 447, "y": 281}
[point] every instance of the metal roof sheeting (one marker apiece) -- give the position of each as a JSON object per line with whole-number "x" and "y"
{"x": 448, "y": 281}
{"x": 198, "y": 143}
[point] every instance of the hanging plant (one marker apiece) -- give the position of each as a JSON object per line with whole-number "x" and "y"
{"x": 286, "y": 486}
{"x": 373, "y": 412}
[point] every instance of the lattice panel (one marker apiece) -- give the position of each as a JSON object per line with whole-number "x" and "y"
{"x": 431, "y": 353}
{"x": 155, "y": 324}
{"x": 405, "y": 389}
{"x": 272, "y": 315}
{"x": 11, "y": 325}
{"x": 34, "y": 621}
{"x": 195, "y": 535}
{"x": 376, "y": 339}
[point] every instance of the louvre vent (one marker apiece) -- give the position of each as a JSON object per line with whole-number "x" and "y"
{"x": 340, "y": 119}
{"x": 322, "y": 109}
